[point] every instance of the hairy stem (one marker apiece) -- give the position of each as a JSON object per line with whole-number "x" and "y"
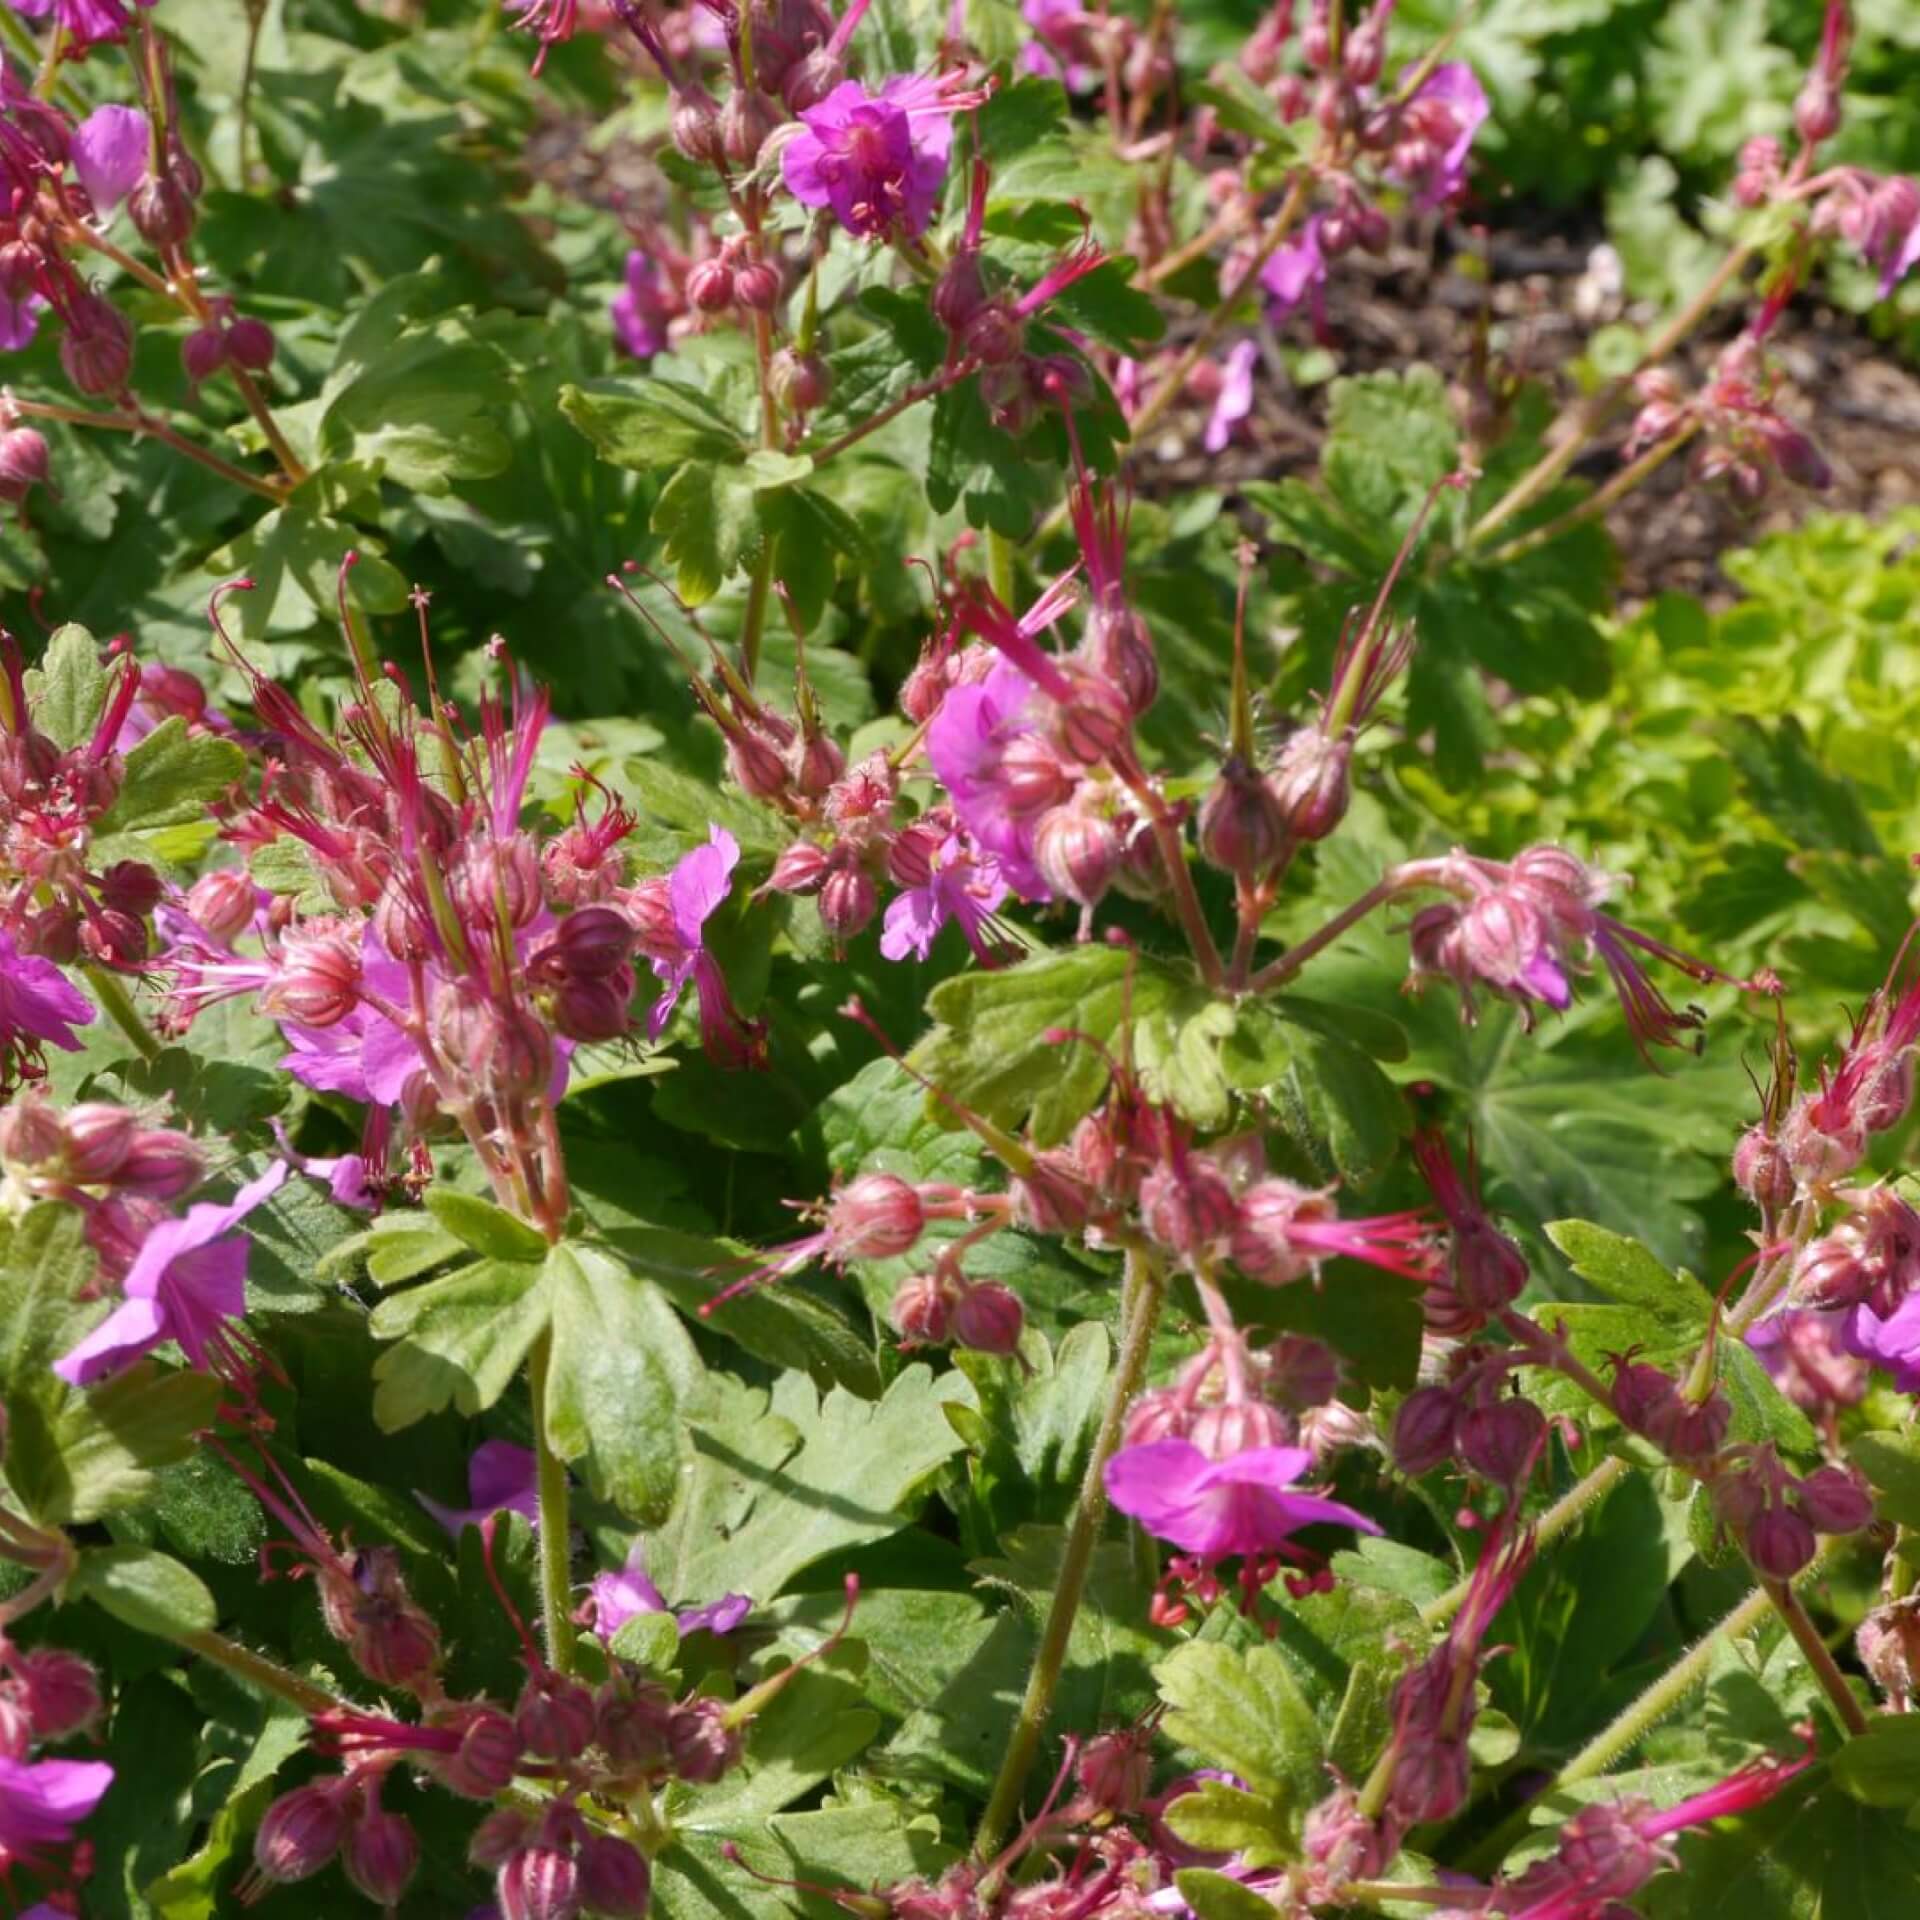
{"x": 1278, "y": 972}
{"x": 556, "y": 1586}
{"x": 921, "y": 390}
{"x": 137, "y": 422}
{"x": 258, "y": 1671}
{"x": 1597, "y": 502}
{"x": 1551, "y": 1524}
{"x": 753, "y": 625}
{"x": 1143, "y": 1295}
{"x": 1173, "y": 856}
{"x": 1589, "y": 415}
{"x": 117, "y": 1004}
{"x": 1817, "y": 1654}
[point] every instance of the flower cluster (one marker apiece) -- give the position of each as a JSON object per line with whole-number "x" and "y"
{"x": 47, "y": 1696}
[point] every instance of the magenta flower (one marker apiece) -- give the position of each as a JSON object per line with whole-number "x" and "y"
{"x": 1219, "y": 1508}
{"x": 42, "y": 1801}
{"x": 1892, "y": 1342}
{"x": 966, "y": 742}
{"x": 86, "y": 23}
{"x": 696, "y": 889}
{"x": 1235, "y": 399}
{"x": 1061, "y": 48}
{"x": 962, "y": 886}
{"x": 616, "y": 1598}
{"x": 501, "y": 1478}
{"x": 1443, "y": 118}
{"x": 39, "y": 1006}
{"x": 642, "y": 308}
{"x": 186, "y": 1282}
{"x": 111, "y": 148}
{"x": 1294, "y": 273}
{"x": 878, "y": 160}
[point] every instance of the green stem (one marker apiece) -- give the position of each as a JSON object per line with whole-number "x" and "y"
{"x": 117, "y": 1004}
{"x": 1817, "y": 1654}
{"x": 1596, "y": 503}
{"x": 1590, "y": 414}
{"x": 556, "y": 1585}
{"x": 1143, "y": 1295}
{"x": 1551, "y": 1524}
{"x": 136, "y": 422}
{"x": 754, "y": 625}
{"x": 257, "y": 1670}
{"x": 1000, "y": 575}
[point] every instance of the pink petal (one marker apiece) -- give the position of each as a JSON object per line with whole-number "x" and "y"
{"x": 111, "y": 148}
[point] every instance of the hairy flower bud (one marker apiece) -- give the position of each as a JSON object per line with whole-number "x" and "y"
{"x": 756, "y": 286}
{"x": 1762, "y": 1171}
{"x": 554, "y": 1716}
{"x": 615, "y": 1879}
{"x": 223, "y": 902}
{"x": 710, "y": 286}
{"x": 1835, "y": 1500}
{"x": 1234, "y": 1426}
{"x": 161, "y": 209}
{"x": 848, "y": 901}
{"x": 96, "y": 348}
{"x": 300, "y": 1832}
{"x": 1780, "y": 1542}
{"x": 1831, "y": 1271}
{"x": 1051, "y": 1196}
{"x": 1691, "y": 1432}
{"x": 62, "y": 1692}
{"x": 131, "y": 887}
{"x": 695, "y": 125}
{"x": 250, "y": 344}
{"x": 1642, "y": 1395}
{"x": 1242, "y": 828}
{"x": 159, "y": 1162}
{"x": 1260, "y": 1246}
{"x": 1077, "y": 855}
{"x": 1187, "y": 1208}
{"x": 30, "y": 1130}
{"x": 97, "y": 1140}
{"x": 1424, "y": 1430}
{"x": 874, "y": 1217}
{"x": 1816, "y": 113}
{"x": 921, "y": 1311}
{"x": 802, "y": 382}
{"x": 318, "y": 982}
{"x": 1489, "y": 1270}
{"x": 987, "y": 1318}
{"x": 700, "y": 1744}
{"x": 1888, "y": 1643}
{"x": 1311, "y": 783}
{"x": 631, "y": 1726}
{"x": 1113, "y": 1771}
{"x": 747, "y": 116}
{"x": 203, "y": 353}
{"x": 24, "y": 462}
{"x": 960, "y": 292}
{"x": 1501, "y": 1439}
{"x": 539, "y": 1883}
{"x": 380, "y": 1856}
{"x": 487, "y": 1757}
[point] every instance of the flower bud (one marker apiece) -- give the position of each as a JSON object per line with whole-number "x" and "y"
{"x": 746, "y": 118}
{"x": 24, "y": 462}
{"x": 988, "y": 1318}
{"x": 756, "y": 286}
{"x": 516, "y": 1052}
{"x": 1691, "y": 1433}
{"x": 250, "y": 344}
{"x": 801, "y": 869}
{"x": 695, "y": 125}
{"x": 808, "y": 81}
{"x": 615, "y": 1879}
{"x": 203, "y": 353}
{"x": 1241, "y": 826}
{"x": 1235, "y": 1426}
{"x": 1604, "y": 1853}
{"x": 300, "y": 1832}
{"x": 631, "y": 1726}
{"x": 995, "y": 335}
{"x": 1430, "y": 1779}
{"x": 591, "y": 943}
{"x": 802, "y": 382}
{"x": 1113, "y": 1771}
{"x": 589, "y": 1010}
{"x": 501, "y": 1833}
{"x": 20, "y": 264}
{"x": 817, "y": 763}
{"x": 1050, "y": 1197}
{"x": 554, "y": 1717}
{"x": 1821, "y": 1142}
{"x": 1501, "y": 1439}
{"x": 874, "y": 1217}
{"x": 1362, "y": 53}
{"x": 1835, "y": 1500}
{"x": 161, "y": 210}
{"x": 1300, "y": 1372}
{"x": 1261, "y": 1247}
{"x": 921, "y": 1311}
{"x": 62, "y": 1692}
{"x": 1642, "y": 1395}
{"x": 117, "y": 1228}
{"x": 1888, "y": 1643}
{"x": 131, "y": 887}
{"x": 1816, "y": 113}
{"x": 848, "y": 901}
{"x": 710, "y": 286}
{"x": 539, "y": 1883}
{"x": 159, "y": 1162}
{"x": 223, "y": 903}
{"x": 97, "y": 1139}
{"x": 1831, "y": 1272}
{"x": 110, "y": 938}
{"x": 1311, "y": 784}
{"x": 318, "y": 982}
{"x": 1762, "y": 1171}
{"x": 1781, "y": 1543}
{"x": 700, "y": 1744}
{"x": 1077, "y": 855}
{"x": 960, "y": 292}
{"x": 1489, "y": 1271}
{"x": 1187, "y": 1208}
{"x": 756, "y": 763}
{"x": 1424, "y": 1430}
{"x": 487, "y": 1757}
{"x": 380, "y": 1856}
{"x": 30, "y": 1130}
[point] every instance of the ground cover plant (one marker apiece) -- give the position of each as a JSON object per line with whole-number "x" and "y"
{"x": 813, "y": 1099}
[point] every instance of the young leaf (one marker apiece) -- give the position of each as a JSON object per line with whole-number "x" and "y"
{"x": 148, "y": 1590}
